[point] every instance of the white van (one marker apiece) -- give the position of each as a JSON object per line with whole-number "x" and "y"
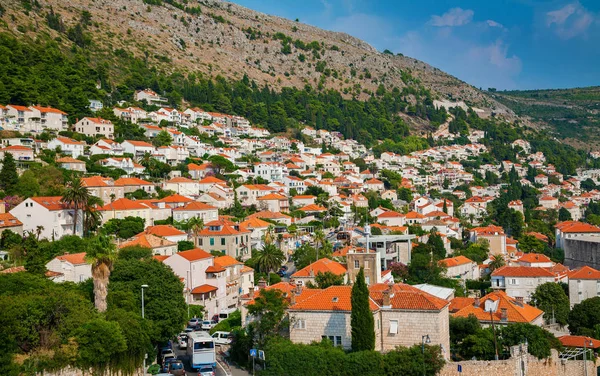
{"x": 222, "y": 338}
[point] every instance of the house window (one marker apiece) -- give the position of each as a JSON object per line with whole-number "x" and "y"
{"x": 212, "y": 241}
{"x": 199, "y": 241}
{"x": 356, "y": 264}
{"x": 393, "y": 326}
{"x": 300, "y": 324}
{"x": 513, "y": 282}
{"x": 366, "y": 264}
{"x": 222, "y": 241}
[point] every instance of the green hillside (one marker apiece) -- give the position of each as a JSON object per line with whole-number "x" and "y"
{"x": 570, "y": 113}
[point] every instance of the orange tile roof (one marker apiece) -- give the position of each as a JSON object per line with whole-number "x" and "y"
{"x": 246, "y": 269}
{"x": 70, "y": 141}
{"x": 123, "y": 204}
{"x": 181, "y": 179}
{"x": 14, "y": 269}
{"x": 225, "y": 229}
{"x": 253, "y": 223}
{"x": 313, "y": 208}
{"x": 148, "y": 241}
{"x": 73, "y": 258}
{"x": 459, "y": 303}
{"x": 390, "y": 214}
{"x": 534, "y": 258}
{"x": 522, "y": 271}
{"x": 488, "y": 230}
{"x": 203, "y": 289}
{"x": 266, "y": 214}
{"x": 49, "y": 110}
{"x": 160, "y": 258}
{"x": 163, "y": 230}
{"x": 225, "y": 261}
{"x": 578, "y": 341}
{"x": 194, "y": 206}
{"x": 403, "y": 296}
{"x": 139, "y": 143}
{"x": 131, "y": 181}
{"x": 272, "y": 196}
{"x": 579, "y": 227}
{"x": 333, "y": 298}
{"x": 195, "y": 254}
{"x": 455, "y": 261}
{"x": 18, "y": 147}
{"x": 51, "y": 202}
{"x": 214, "y": 269}
{"x": 96, "y": 181}
{"x": 414, "y": 215}
{"x": 212, "y": 179}
{"x": 9, "y": 220}
{"x": 321, "y": 266}
{"x": 585, "y": 272}
{"x": 176, "y": 198}
{"x": 516, "y": 311}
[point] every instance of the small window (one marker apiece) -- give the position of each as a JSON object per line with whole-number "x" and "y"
{"x": 366, "y": 264}
{"x": 212, "y": 241}
{"x": 301, "y": 324}
{"x": 356, "y": 264}
{"x": 222, "y": 241}
{"x": 393, "y": 326}
{"x": 338, "y": 340}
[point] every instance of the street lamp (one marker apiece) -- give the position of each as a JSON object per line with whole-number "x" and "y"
{"x": 585, "y": 344}
{"x": 424, "y": 340}
{"x": 145, "y": 355}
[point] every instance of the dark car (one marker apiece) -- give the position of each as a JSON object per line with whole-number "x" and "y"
{"x": 176, "y": 368}
{"x": 167, "y": 363}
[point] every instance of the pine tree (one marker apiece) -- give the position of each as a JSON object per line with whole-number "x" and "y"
{"x": 361, "y": 318}
{"x": 8, "y": 176}
{"x": 445, "y": 208}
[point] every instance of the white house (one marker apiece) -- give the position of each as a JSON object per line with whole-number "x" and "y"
{"x": 48, "y": 215}
{"x": 95, "y": 127}
{"x": 68, "y": 146}
{"x": 73, "y": 267}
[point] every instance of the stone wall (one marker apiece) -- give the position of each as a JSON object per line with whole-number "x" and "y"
{"x": 582, "y": 252}
{"x": 521, "y": 364}
{"x": 69, "y": 371}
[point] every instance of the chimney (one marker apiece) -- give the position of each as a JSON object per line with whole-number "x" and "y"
{"x": 292, "y": 298}
{"x": 298, "y": 290}
{"x": 476, "y": 303}
{"x": 386, "y": 298}
{"x": 262, "y": 284}
{"x": 503, "y": 315}
{"x": 519, "y": 299}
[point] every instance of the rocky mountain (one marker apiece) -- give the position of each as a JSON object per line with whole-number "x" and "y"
{"x": 220, "y": 38}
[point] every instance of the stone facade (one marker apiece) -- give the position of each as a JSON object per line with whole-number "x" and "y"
{"x": 412, "y": 325}
{"x": 520, "y": 363}
{"x": 369, "y": 261}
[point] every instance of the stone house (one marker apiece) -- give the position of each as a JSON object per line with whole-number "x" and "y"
{"x": 95, "y": 127}
{"x": 584, "y": 283}
{"x": 460, "y": 267}
{"x": 225, "y": 237}
{"x": 73, "y": 267}
{"x": 520, "y": 281}
{"x": 402, "y": 314}
{"x": 308, "y": 273}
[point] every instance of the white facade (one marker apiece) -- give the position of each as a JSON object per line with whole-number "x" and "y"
{"x": 48, "y": 215}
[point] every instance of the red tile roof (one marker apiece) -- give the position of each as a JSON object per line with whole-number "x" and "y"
{"x": 163, "y": 230}
{"x": 214, "y": 269}
{"x": 403, "y": 296}
{"x": 321, "y": 266}
{"x": 534, "y": 258}
{"x": 9, "y": 220}
{"x": 225, "y": 261}
{"x": 176, "y": 198}
{"x": 455, "y": 261}
{"x": 333, "y": 298}
{"x": 203, "y": 289}
{"x": 516, "y": 311}
{"x": 73, "y": 258}
{"x": 148, "y": 241}
{"x": 578, "y": 341}
{"x": 51, "y": 202}
{"x": 522, "y": 271}
{"x": 123, "y": 204}
{"x": 195, "y": 254}
{"x": 584, "y": 272}
{"x": 195, "y": 206}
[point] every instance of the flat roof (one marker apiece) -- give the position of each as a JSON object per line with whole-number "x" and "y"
{"x": 585, "y": 238}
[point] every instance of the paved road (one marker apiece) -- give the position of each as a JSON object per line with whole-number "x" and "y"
{"x": 221, "y": 365}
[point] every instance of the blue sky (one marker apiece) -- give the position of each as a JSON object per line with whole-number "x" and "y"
{"x": 506, "y": 44}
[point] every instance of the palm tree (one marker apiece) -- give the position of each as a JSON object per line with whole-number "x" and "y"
{"x": 92, "y": 218}
{"x": 77, "y": 197}
{"x": 497, "y": 263}
{"x": 196, "y": 224}
{"x": 38, "y": 231}
{"x": 101, "y": 255}
{"x": 319, "y": 240}
{"x": 269, "y": 258}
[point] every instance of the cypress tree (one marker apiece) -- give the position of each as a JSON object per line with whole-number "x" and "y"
{"x": 361, "y": 318}
{"x": 8, "y": 176}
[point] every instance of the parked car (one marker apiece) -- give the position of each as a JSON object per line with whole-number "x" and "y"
{"x": 176, "y": 368}
{"x": 208, "y": 324}
{"x": 193, "y": 322}
{"x": 166, "y": 350}
{"x": 183, "y": 341}
{"x": 222, "y": 338}
{"x": 167, "y": 362}
{"x": 206, "y": 371}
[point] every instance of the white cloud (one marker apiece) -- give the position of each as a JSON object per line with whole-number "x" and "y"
{"x": 453, "y": 17}
{"x": 492, "y": 23}
{"x": 496, "y": 55}
{"x": 569, "y": 21}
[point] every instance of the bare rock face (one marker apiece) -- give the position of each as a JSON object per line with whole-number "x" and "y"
{"x": 229, "y": 40}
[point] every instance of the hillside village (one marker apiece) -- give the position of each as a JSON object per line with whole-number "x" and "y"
{"x": 439, "y": 233}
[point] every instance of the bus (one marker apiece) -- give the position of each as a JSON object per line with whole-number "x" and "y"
{"x": 201, "y": 350}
